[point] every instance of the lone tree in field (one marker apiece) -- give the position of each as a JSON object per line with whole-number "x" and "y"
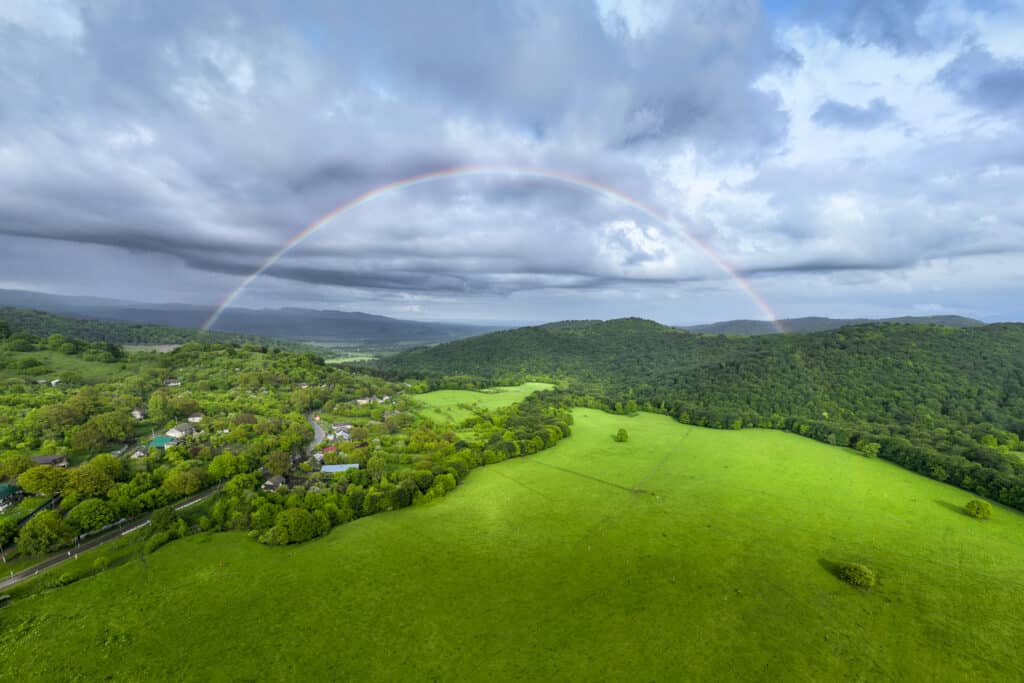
{"x": 857, "y": 575}
{"x": 980, "y": 509}
{"x": 621, "y": 436}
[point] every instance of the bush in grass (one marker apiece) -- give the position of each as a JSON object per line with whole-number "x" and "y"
{"x": 101, "y": 564}
{"x": 621, "y": 436}
{"x": 857, "y": 575}
{"x": 980, "y": 509}
{"x": 155, "y": 541}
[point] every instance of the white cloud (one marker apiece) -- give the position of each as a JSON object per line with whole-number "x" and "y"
{"x": 50, "y": 18}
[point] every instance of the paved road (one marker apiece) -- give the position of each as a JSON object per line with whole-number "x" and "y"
{"x": 318, "y": 434}
{"x": 129, "y": 526}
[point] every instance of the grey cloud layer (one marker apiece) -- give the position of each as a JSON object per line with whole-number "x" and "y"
{"x": 211, "y": 134}
{"x": 842, "y": 115}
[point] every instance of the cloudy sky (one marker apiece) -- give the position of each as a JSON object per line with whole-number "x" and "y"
{"x": 864, "y": 159}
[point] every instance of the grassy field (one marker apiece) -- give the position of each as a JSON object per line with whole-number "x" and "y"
{"x": 682, "y": 554}
{"x": 445, "y": 406}
{"x": 54, "y": 364}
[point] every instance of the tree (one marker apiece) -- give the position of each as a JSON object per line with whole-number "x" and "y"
{"x": 88, "y": 481}
{"x": 857, "y": 575}
{"x": 376, "y": 466}
{"x": 55, "y": 341}
{"x": 8, "y": 530}
{"x": 979, "y": 509}
{"x": 163, "y": 519}
{"x": 225, "y": 466}
{"x": 110, "y": 465}
{"x": 13, "y": 464}
{"x": 43, "y": 479}
{"x": 621, "y": 436}
{"x": 91, "y": 514}
{"x": 868, "y": 448}
{"x": 279, "y": 462}
{"x": 46, "y": 531}
{"x": 298, "y": 524}
{"x": 183, "y": 481}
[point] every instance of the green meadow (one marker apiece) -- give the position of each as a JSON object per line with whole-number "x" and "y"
{"x": 447, "y": 405}
{"x": 684, "y": 553}
{"x": 52, "y": 365}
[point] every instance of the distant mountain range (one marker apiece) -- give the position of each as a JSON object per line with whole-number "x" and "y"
{"x": 281, "y": 323}
{"x": 750, "y": 328}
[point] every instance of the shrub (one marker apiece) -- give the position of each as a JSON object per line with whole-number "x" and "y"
{"x": 857, "y": 575}
{"x": 621, "y": 436}
{"x": 868, "y": 448}
{"x": 155, "y": 541}
{"x": 101, "y": 563}
{"x": 980, "y": 509}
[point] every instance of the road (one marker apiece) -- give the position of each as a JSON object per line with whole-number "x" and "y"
{"x": 129, "y": 526}
{"x": 318, "y": 434}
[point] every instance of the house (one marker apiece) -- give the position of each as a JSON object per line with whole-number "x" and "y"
{"x": 139, "y": 414}
{"x": 10, "y": 495}
{"x": 334, "y": 469}
{"x": 162, "y": 442}
{"x": 140, "y": 452}
{"x": 55, "y": 460}
{"x": 303, "y": 386}
{"x": 54, "y": 382}
{"x": 341, "y": 426}
{"x": 195, "y": 418}
{"x": 274, "y": 483}
{"x": 172, "y": 382}
{"x": 178, "y": 431}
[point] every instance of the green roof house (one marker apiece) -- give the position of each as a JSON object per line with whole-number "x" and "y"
{"x": 162, "y": 441}
{"x": 10, "y": 495}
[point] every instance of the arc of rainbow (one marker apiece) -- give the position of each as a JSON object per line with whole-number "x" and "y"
{"x": 462, "y": 171}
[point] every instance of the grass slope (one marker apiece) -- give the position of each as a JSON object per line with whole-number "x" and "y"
{"x": 444, "y": 406}
{"x": 684, "y": 553}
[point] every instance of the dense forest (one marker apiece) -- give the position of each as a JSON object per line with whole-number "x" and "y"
{"x": 946, "y": 402}
{"x": 817, "y": 324}
{"x": 42, "y": 324}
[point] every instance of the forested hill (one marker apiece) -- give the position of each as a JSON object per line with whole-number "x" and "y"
{"x": 41, "y": 324}
{"x": 753, "y": 327}
{"x": 950, "y": 391}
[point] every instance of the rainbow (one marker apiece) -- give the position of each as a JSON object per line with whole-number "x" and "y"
{"x": 462, "y": 171}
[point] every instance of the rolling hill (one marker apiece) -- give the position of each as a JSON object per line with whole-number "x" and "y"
{"x": 945, "y": 402}
{"x": 684, "y": 554}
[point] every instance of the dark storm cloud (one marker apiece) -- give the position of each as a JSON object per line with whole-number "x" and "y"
{"x": 212, "y": 134}
{"x": 842, "y": 115}
{"x": 986, "y": 82}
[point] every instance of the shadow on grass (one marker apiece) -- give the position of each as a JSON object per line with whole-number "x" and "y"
{"x": 831, "y": 567}
{"x": 955, "y": 508}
